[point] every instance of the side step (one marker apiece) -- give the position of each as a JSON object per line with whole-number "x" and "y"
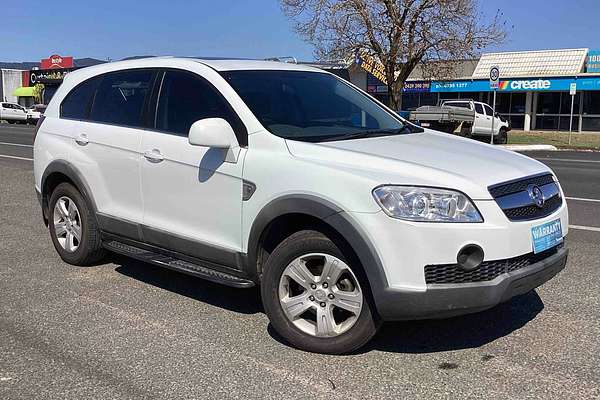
{"x": 177, "y": 264}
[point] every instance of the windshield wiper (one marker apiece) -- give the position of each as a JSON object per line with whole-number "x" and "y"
{"x": 369, "y": 133}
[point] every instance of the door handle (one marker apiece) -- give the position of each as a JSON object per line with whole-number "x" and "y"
{"x": 153, "y": 156}
{"x": 82, "y": 139}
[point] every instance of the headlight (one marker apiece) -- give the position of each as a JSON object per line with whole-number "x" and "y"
{"x": 424, "y": 204}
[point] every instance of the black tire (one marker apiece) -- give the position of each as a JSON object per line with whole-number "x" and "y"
{"x": 89, "y": 250}
{"x": 297, "y": 245}
{"x": 502, "y": 137}
{"x": 10, "y": 121}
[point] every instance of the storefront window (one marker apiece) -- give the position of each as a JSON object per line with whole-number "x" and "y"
{"x": 503, "y": 103}
{"x": 591, "y": 103}
{"x": 410, "y": 101}
{"x": 480, "y": 96}
{"x": 547, "y": 122}
{"x": 564, "y": 122}
{"x": 565, "y": 104}
{"x": 517, "y": 121}
{"x": 548, "y": 103}
{"x": 517, "y": 103}
{"x": 590, "y": 124}
{"x": 429, "y": 99}
{"x": 449, "y": 95}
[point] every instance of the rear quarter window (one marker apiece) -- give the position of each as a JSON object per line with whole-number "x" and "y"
{"x": 76, "y": 104}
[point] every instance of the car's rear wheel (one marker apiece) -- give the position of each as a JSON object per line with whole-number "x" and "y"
{"x": 315, "y": 298}
{"x": 73, "y": 229}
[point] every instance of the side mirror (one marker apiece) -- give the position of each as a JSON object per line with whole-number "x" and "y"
{"x": 215, "y": 133}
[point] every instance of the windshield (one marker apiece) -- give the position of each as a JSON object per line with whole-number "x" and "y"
{"x": 311, "y": 106}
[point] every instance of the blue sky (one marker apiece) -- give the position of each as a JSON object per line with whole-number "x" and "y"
{"x": 236, "y": 28}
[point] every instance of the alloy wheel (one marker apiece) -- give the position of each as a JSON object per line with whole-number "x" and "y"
{"x": 67, "y": 224}
{"x": 320, "y": 295}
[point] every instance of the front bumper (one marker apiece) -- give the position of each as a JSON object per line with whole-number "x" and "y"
{"x": 447, "y": 300}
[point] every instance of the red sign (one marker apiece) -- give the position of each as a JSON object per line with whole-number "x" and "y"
{"x": 56, "y": 61}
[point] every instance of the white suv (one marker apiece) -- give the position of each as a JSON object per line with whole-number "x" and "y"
{"x": 252, "y": 172}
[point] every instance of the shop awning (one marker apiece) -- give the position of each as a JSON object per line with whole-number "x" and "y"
{"x": 532, "y": 64}
{"x": 28, "y": 91}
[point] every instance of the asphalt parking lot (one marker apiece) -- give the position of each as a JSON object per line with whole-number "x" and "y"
{"x": 125, "y": 329}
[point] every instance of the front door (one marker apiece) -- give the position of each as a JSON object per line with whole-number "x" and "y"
{"x": 192, "y": 196}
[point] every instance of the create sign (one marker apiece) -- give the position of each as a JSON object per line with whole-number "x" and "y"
{"x": 519, "y": 85}
{"x": 56, "y": 61}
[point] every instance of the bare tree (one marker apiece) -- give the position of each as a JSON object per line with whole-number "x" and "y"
{"x": 398, "y": 35}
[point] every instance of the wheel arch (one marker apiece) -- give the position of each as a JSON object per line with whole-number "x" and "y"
{"x": 57, "y": 172}
{"x": 326, "y": 215}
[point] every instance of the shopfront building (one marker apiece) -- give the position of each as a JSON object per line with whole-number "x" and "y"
{"x": 534, "y": 90}
{"x": 538, "y": 103}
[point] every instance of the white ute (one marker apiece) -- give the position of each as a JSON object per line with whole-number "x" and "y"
{"x": 280, "y": 175}
{"x": 475, "y": 119}
{"x": 13, "y": 113}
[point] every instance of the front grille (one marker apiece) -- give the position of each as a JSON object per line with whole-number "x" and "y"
{"x": 534, "y": 212}
{"x": 487, "y": 271}
{"x": 513, "y": 197}
{"x": 502, "y": 189}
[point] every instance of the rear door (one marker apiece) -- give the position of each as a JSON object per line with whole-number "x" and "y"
{"x": 107, "y": 147}
{"x": 192, "y": 196}
{"x": 483, "y": 122}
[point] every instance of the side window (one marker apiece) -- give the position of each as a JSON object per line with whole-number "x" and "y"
{"x": 479, "y": 109}
{"x": 488, "y": 110}
{"x": 121, "y": 96}
{"x": 77, "y": 103}
{"x": 185, "y": 98}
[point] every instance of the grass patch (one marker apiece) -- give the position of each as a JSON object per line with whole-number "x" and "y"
{"x": 558, "y": 139}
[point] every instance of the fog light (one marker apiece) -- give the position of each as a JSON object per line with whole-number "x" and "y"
{"x": 470, "y": 257}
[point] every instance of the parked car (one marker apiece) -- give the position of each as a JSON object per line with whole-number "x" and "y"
{"x": 285, "y": 176}
{"x": 35, "y": 112}
{"x": 476, "y": 119}
{"x": 12, "y": 113}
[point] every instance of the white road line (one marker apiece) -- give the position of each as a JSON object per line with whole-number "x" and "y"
{"x": 16, "y": 158}
{"x": 568, "y": 160}
{"x": 15, "y": 144}
{"x": 582, "y": 199}
{"x": 585, "y": 228}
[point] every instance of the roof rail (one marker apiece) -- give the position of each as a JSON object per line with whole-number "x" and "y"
{"x": 285, "y": 59}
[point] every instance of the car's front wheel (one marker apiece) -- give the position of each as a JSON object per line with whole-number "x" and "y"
{"x": 502, "y": 137}
{"x": 315, "y": 298}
